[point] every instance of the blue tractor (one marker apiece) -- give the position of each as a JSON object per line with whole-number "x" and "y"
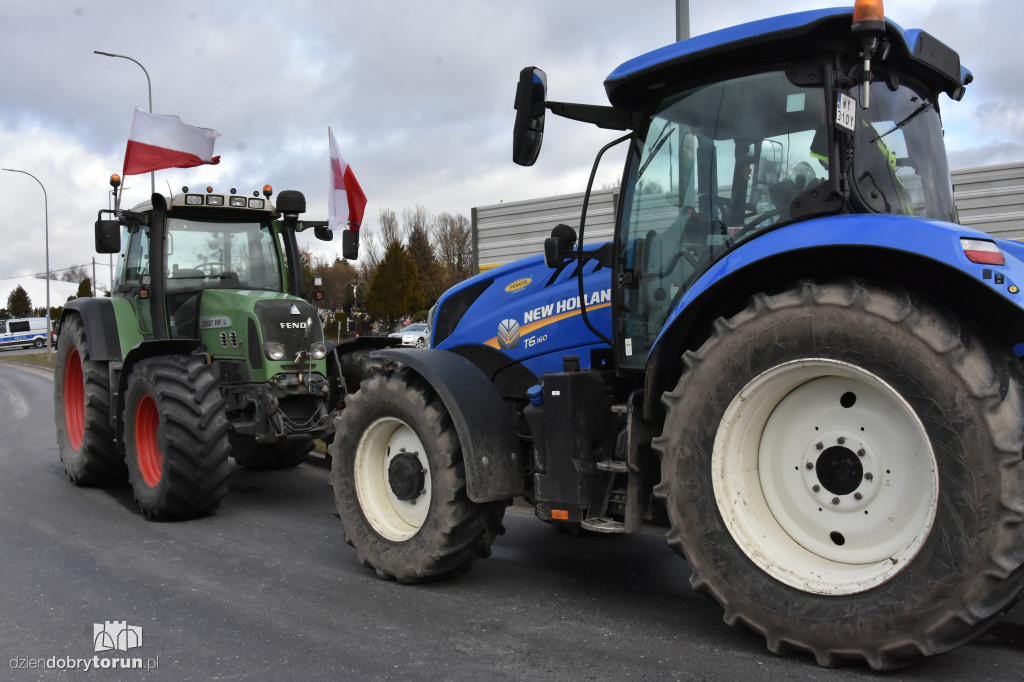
{"x": 790, "y": 354}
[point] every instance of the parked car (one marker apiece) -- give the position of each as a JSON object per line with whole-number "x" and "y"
{"x": 416, "y": 334}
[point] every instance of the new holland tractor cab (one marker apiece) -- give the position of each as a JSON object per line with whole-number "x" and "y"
{"x": 205, "y": 349}
{"x": 790, "y": 353}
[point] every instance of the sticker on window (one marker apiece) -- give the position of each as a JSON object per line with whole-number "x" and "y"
{"x": 846, "y": 111}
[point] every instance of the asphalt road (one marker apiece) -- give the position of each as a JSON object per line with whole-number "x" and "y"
{"x": 266, "y": 589}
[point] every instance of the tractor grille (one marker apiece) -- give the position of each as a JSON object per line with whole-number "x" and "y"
{"x": 273, "y": 314}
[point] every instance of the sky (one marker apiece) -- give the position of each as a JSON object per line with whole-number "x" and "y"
{"x": 419, "y": 96}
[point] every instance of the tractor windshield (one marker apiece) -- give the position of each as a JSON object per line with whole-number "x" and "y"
{"x": 221, "y": 255}
{"x": 714, "y": 166}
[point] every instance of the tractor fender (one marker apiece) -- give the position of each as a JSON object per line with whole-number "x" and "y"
{"x": 100, "y": 326}
{"x": 494, "y": 466}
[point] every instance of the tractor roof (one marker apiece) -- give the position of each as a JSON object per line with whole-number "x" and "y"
{"x": 788, "y": 38}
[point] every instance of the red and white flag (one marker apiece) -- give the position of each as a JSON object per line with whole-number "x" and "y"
{"x": 159, "y": 141}
{"x": 346, "y": 200}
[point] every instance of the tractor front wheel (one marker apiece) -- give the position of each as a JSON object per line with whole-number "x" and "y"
{"x": 841, "y": 467}
{"x": 176, "y": 437}
{"x": 400, "y": 485}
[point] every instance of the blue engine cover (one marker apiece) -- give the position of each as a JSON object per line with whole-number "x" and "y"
{"x": 531, "y": 313}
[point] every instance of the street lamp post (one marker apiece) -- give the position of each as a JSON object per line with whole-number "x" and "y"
{"x": 46, "y": 225}
{"x": 149, "y": 88}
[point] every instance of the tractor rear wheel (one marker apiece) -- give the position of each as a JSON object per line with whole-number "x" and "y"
{"x": 265, "y": 457}
{"x": 176, "y": 437}
{"x": 841, "y": 467}
{"x": 400, "y": 483}
{"x": 81, "y": 405}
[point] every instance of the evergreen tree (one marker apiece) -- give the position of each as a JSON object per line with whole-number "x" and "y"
{"x": 18, "y": 303}
{"x": 394, "y": 291}
{"x": 84, "y": 288}
{"x": 427, "y": 268}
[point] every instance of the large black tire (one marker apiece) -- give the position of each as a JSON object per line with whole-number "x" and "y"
{"x": 400, "y": 483}
{"x": 176, "y": 437}
{"x": 886, "y": 435}
{"x": 266, "y": 457}
{"x": 358, "y": 365}
{"x": 81, "y": 411}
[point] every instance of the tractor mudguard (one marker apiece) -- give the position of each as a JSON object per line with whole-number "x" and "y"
{"x": 100, "y": 326}
{"x": 494, "y": 468}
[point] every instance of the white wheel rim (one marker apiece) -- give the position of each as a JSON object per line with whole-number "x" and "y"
{"x": 825, "y": 476}
{"x": 395, "y": 519}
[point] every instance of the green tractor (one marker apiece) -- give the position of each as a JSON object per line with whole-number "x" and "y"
{"x": 206, "y": 349}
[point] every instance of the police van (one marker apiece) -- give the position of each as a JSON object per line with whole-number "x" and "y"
{"x": 22, "y": 332}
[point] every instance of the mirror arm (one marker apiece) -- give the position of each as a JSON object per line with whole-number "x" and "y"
{"x": 601, "y": 116}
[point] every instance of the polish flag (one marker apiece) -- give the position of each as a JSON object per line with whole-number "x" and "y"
{"x": 346, "y": 200}
{"x": 158, "y": 141}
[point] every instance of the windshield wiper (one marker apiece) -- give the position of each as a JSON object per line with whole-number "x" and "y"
{"x": 654, "y": 149}
{"x": 921, "y": 109}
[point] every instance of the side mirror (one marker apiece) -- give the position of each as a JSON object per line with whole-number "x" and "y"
{"x": 528, "y": 131}
{"x": 108, "y": 236}
{"x": 349, "y": 245}
{"x": 323, "y": 233}
{"x": 559, "y": 245}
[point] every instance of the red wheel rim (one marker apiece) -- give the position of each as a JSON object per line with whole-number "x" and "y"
{"x": 151, "y": 460}
{"x": 74, "y": 399}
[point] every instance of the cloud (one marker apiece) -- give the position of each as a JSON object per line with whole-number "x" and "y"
{"x": 418, "y": 94}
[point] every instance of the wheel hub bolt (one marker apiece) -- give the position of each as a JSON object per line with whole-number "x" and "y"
{"x": 868, "y": 476}
{"x": 809, "y": 465}
{"x": 816, "y": 488}
{"x": 835, "y": 500}
{"x": 861, "y": 452}
{"x": 840, "y": 440}
{"x": 819, "y": 446}
{"x": 857, "y": 496}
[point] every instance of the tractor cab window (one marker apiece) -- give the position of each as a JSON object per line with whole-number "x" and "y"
{"x": 221, "y": 255}
{"x": 715, "y": 166}
{"x": 899, "y": 160}
{"x": 134, "y": 254}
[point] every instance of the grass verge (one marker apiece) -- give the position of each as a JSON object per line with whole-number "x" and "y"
{"x": 34, "y": 359}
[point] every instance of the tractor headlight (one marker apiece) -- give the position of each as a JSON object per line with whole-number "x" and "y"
{"x": 237, "y": 202}
{"x": 275, "y": 351}
{"x": 318, "y": 350}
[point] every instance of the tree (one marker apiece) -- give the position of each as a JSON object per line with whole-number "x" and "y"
{"x": 18, "y": 303}
{"x": 389, "y": 231}
{"x": 395, "y": 289}
{"x": 76, "y": 273}
{"x": 453, "y": 235}
{"x": 338, "y": 278}
{"x": 84, "y": 288}
{"x": 417, "y": 233}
